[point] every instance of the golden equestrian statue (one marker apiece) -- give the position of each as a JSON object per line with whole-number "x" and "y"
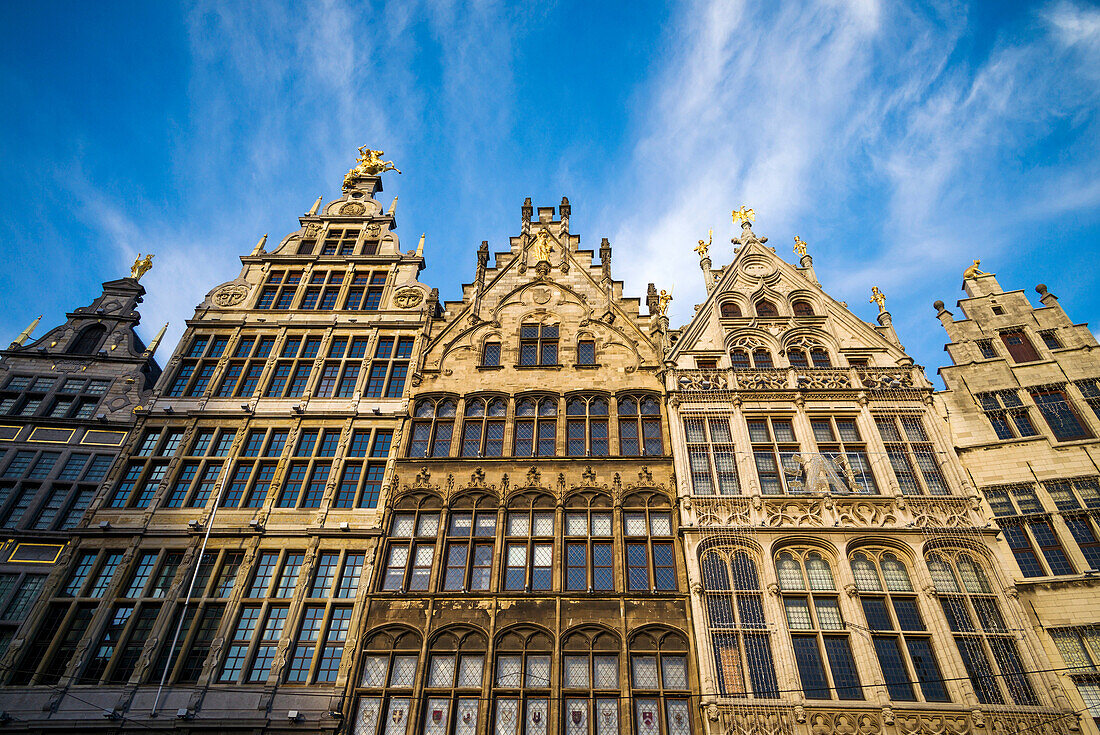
{"x": 878, "y": 297}
{"x": 974, "y": 271}
{"x": 370, "y": 163}
{"x": 704, "y": 247}
{"x": 141, "y": 266}
{"x": 662, "y": 302}
{"x": 799, "y": 245}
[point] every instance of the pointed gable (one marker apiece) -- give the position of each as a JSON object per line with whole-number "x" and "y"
{"x": 761, "y": 303}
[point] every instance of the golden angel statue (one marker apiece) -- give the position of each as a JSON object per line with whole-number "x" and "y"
{"x": 974, "y": 271}
{"x": 141, "y": 266}
{"x": 703, "y": 248}
{"x": 662, "y": 302}
{"x": 799, "y": 245}
{"x": 370, "y": 163}
{"x": 542, "y": 246}
{"x": 744, "y": 214}
{"x": 878, "y": 297}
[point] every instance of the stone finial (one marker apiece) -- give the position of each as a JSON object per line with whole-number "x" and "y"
{"x": 527, "y": 211}
{"x": 259, "y": 249}
{"x": 420, "y": 246}
{"x": 483, "y": 254}
{"x": 652, "y": 300}
{"x": 564, "y": 208}
{"x": 938, "y": 306}
{"x": 316, "y": 206}
{"x": 393, "y": 208}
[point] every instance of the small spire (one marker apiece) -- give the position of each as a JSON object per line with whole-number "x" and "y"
{"x": 156, "y": 340}
{"x": 26, "y": 333}
{"x": 393, "y": 207}
{"x": 260, "y": 245}
{"x": 420, "y": 246}
{"x": 316, "y": 206}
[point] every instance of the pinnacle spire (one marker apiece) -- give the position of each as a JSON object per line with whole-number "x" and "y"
{"x": 420, "y": 246}
{"x": 26, "y": 333}
{"x": 160, "y": 335}
{"x": 260, "y": 245}
{"x": 316, "y": 205}
{"x": 393, "y": 207}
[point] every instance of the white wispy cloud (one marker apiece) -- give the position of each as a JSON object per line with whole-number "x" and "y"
{"x": 870, "y": 129}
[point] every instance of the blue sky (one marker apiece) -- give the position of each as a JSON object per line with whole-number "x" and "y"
{"x": 898, "y": 139}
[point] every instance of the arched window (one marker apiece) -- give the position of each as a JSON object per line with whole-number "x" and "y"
{"x": 456, "y": 660}
{"x": 804, "y": 357}
{"x": 586, "y": 426}
{"x": 433, "y": 424}
{"x": 729, "y": 309}
{"x": 739, "y": 359}
{"x": 986, "y": 643}
{"x": 588, "y": 543}
{"x": 411, "y": 546}
{"x": 761, "y": 358}
{"x": 536, "y": 427}
{"x": 766, "y": 308}
{"x": 590, "y": 681}
{"x": 659, "y": 683}
{"x": 735, "y": 616}
{"x": 640, "y": 426}
{"x": 647, "y": 526}
{"x": 529, "y": 544}
{"x": 490, "y": 354}
{"x": 822, "y": 650}
{"x": 521, "y": 682}
{"x": 386, "y": 684}
{"x": 802, "y": 308}
{"x": 898, "y": 632}
{"x": 88, "y": 340}
{"x": 471, "y": 541}
{"x": 483, "y": 427}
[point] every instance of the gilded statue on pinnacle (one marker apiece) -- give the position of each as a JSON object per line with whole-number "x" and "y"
{"x": 744, "y": 214}
{"x": 878, "y": 297}
{"x": 370, "y": 163}
{"x": 799, "y": 245}
{"x": 542, "y": 246}
{"x": 974, "y": 271}
{"x": 662, "y": 302}
{"x": 141, "y": 266}
{"x": 704, "y": 247}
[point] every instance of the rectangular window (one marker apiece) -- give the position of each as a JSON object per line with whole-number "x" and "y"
{"x": 1060, "y": 415}
{"x": 538, "y": 344}
{"x": 911, "y": 455}
{"x": 1019, "y": 346}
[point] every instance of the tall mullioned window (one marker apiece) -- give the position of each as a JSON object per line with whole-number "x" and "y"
{"x": 590, "y": 682}
{"x": 739, "y": 638}
{"x": 586, "y": 424}
{"x": 774, "y": 450}
{"x": 1028, "y": 531}
{"x": 647, "y": 531}
{"x": 483, "y": 427}
{"x": 432, "y": 427}
{"x": 197, "y": 473}
{"x": 640, "y": 426}
{"x": 252, "y": 475}
{"x": 589, "y": 544}
{"x": 986, "y": 644}
{"x": 536, "y": 426}
{"x": 278, "y": 292}
{"x": 1060, "y": 414}
{"x": 823, "y": 651}
{"x": 840, "y": 443}
{"x": 659, "y": 683}
{"x": 361, "y": 482}
{"x": 711, "y": 455}
{"x": 386, "y": 682}
{"x": 365, "y": 293}
{"x": 145, "y": 472}
{"x": 901, "y": 639}
{"x": 1078, "y": 500}
{"x": 389, "y": 367}
{"x": 410, "y": 550}
{"x": 911, "y": 455}
{"x": 1006, "y": 413}
{"x": 340, "y": 370}
{"x": 308, "y": 472}
{"x": 521, "y": 682}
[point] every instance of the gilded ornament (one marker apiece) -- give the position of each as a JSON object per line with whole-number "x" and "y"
{"x": 370, "y": 163}
{"x": 407, "y": 298}
{"x": 704, "y": 247}
{"x": 542, "y": 246}
{"x": 799, "y": 245}
{"x": 878, "y": 297}
{"x": 974, "y": 271}
{"x": 662, "y": 302}
{"x": 744, "y": 214}
{"x": 141, "y": 266}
